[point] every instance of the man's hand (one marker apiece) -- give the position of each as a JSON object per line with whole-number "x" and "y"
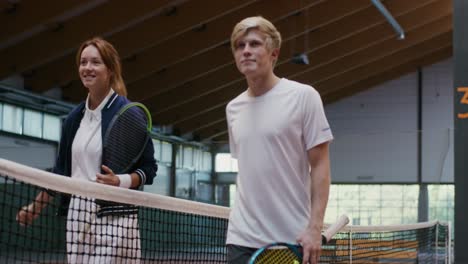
{"x": 311, "y": 241}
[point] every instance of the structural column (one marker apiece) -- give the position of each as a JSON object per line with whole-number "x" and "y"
{"x": 460, "y": 57}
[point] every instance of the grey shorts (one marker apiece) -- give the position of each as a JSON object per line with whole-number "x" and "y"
{"x": 239, "y": 254}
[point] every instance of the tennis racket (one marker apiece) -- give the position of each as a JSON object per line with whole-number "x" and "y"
{"x": 126, "y": 138}
{"x": 282, "y": 253}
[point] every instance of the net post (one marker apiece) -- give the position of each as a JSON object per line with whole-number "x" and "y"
{"x": 351, "y": 245}
{"x": 448, "y": 259}
{"x": 436, "y": 242}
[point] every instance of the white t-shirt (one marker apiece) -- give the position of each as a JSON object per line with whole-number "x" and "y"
{"x": 270, "y": 135}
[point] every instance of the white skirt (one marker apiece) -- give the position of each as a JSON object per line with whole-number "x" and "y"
{"x": 108, "y": 239}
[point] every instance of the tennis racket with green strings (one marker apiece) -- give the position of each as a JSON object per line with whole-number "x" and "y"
{"x": 285, "y": 253}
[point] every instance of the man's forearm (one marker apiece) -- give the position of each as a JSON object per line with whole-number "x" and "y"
{"x": 320, "y": 189}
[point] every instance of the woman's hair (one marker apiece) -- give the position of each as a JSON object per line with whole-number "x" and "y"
{"x": 111, "y": 59}
{"x": 273, "y": 37}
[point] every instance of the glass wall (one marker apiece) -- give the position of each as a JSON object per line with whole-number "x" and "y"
{"x": 193, "y": 171}
{"x": 163, "y": 156}
{"x": 50, "y": 131}
{"x": 33, "y": 123}
{"x": 225, "y": 163}
{"x": 193, "y": 174}
{"x": 442, "y": 202}
{"x": 12, "y": 119}
{"x": 383, "y": 204}
{"x": 28, "y": 122}
{"x": 389, "y": 204}
{"x": 1, "y": 116}
{"x": 365, "y": 204}
{"x": 374, "y": 204}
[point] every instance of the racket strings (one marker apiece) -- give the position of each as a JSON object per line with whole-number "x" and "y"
{"x": 278, "y": 256}
{"x": 126, "y": 140}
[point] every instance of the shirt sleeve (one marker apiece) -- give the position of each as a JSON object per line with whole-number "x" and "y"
{"x": 232, "y": 145}
{"x": 147, "y": 166}
{"x": 316, "y": 129}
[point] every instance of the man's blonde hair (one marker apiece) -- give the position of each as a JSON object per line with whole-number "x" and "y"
{"x": 273, "y": 37}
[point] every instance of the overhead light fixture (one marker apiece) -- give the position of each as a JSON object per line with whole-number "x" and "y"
{"x": 301, "y": 59}
{"x": 390, "y": 19}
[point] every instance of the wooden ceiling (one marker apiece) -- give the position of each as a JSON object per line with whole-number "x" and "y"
{"x": 177, "y": 59}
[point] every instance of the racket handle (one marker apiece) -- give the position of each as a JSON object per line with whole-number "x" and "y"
{"x": 334, "y": 228}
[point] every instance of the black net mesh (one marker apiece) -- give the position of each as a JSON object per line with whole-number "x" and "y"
{"x": 166, "y": 230}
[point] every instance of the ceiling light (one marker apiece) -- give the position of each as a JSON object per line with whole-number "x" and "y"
{"x": 300, "y": 59}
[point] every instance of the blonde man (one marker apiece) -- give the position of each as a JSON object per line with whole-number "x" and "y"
{"x": 280, "y": 135}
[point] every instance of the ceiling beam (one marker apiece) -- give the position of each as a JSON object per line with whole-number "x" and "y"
{"x": 400, "y": 55}
{"x": 24, "y": 15}
{"x": 219, "y": 35}
{"x": 195, "y": 104}
{"x": 220, "y": 58}
{"x": 6, "y": 6}
{"x": 64, "y": 38}
{"x": 181, "y": 78}
{"x": 383, "y": 72}
{"x": 151, "y": 33}
{"x": 218, "y": 138}
{"x": 370, "y": 68}
{"x": 164, "y": 56}
{"x": 390, "y": 74}
{"x": 211, "y": 128}
{"x": 340, "y": 41}
{"x": 367, "y": 54}
{"x": 192, "y": 125}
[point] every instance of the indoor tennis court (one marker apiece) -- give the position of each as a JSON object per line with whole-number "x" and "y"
{"x": 390, "y": 75}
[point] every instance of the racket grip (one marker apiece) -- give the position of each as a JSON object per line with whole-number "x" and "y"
{"x": 327, "y": 235}
{"x": 324, "y": 240}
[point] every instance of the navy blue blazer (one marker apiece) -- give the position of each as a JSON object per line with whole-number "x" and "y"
{"x": 146, "y": 167}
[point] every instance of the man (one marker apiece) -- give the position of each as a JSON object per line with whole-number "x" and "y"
{"x": 279, "y": 134}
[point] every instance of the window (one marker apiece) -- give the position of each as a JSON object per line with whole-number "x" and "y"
{"x": 188, "y": 158}
{"x": 29, "y": 122}
{"x": 157, "y": 149}
{"x": 442, "y": 202}
{"x": 161, "y": 182}
{"x": 52, "y": 127}
{"x": 1, "y": 116}
{"x": 206, "y": 164}
{"x": 184, "y": 184}
{"x": 32, "y": 123}
{"x": 179, "y": 156}
{"x": 374, "y": 204}
{"x": 12, "y": 119}
{"x": 197, "y": 159}
{"x": 166, "y": 155}
{"x": 225, "y": 163}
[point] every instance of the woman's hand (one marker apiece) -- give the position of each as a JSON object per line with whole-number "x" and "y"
{"x": 27, "y": 214}
{"x": 108, "y": 178}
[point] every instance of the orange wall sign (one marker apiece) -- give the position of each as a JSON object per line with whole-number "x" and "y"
{"x": 463, "y": 100}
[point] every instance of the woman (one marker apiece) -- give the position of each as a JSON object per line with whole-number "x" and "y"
{"x": 96, "y": 234}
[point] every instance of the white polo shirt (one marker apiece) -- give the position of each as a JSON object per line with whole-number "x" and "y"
{"x": 87, "y": 144}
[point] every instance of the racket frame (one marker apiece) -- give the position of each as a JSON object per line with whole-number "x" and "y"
{"x": 327, "y": 235}
{"x": 114, "y": 119}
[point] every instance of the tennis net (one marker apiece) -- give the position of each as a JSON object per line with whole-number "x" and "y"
{"x": 167, "y": 230}
{"x": 428, "y": 242}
